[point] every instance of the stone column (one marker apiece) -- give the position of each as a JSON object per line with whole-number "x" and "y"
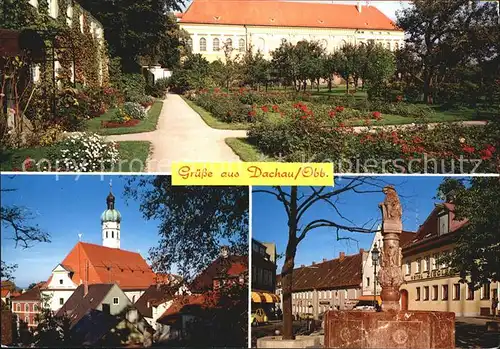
{"x": 390, "y": 275}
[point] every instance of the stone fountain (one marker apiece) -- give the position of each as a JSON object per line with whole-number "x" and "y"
{"x": 391, "y": 327}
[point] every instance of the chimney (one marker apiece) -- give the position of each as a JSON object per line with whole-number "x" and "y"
{"x": 342, "y": 256}
{"x": 85, "y": 280}
{"x": 358, "y": 6}
{"x": 324, "y": 259}
{"x": 313, "y": 263}
{"x": 361, "y": 250}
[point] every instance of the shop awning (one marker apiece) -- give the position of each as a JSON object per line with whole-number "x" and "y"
{"x": 264, "y": 297}
{"x": 369, "y": 298}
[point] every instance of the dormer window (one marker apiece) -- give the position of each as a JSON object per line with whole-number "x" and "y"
{"x": 443, "y": 226}
{"x": 216, "y": 18}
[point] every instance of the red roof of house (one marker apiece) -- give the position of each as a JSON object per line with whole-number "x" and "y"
{"x": 335, "y": 273}
{"x": 428, "y": 231}
{"x": 221, "y": 268}
{"x": 5, "y": 292}
{"x": 109, "y": 265}
{"x": 33, "y": 294}
{"x": 183, "y": 304}
{"x": 286, "y": 14}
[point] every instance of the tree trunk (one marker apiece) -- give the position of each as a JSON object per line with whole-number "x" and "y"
{"x": 318, "y": 85}
{"x": 347, "y": 85}
{"x": 287, "y": 271}
{"x": 330, "y": 85}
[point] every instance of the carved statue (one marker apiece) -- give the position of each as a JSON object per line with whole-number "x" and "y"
{"x": 391, "y": 207}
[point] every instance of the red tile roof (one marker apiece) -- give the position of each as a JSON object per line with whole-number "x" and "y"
{"x": 221, "y": 268}
{"x": 5, "y": 292}
{"x": 154, "y": 295}
{"x": 286, "y": 14}
{"x": 183, "y": 304}
{"x": 406, "y": 237}
{"x": 335, "y": 273}
{"x": 428, "y": 231}
{"x": 33, "y": 294}
{"x": 109, "y": 265}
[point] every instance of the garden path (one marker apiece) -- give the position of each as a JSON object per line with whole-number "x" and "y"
{"x": 182, "y": 135}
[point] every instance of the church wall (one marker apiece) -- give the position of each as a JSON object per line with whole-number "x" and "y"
{"x": 55, "y": 296}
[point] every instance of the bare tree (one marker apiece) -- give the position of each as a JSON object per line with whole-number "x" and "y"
{"x": 296, "y": 203}
{"x": 17, "y": 222}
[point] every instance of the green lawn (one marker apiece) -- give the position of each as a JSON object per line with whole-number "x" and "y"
{"x": 211, "y": 121}
{"x": 146, "y": 125}
{"x": 246, "y": 151}
{"x": 133, "y": 156}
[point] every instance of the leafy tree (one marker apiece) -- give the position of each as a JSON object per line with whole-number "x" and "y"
{"x": 33, "y": 284}
{"x": 52, "y": 331}
{"x": 194, "y": 73}
{"x": 256, "y": 69}
{"x": 297, "y": 203}
{"x": 195, "y": 221}
{"x": 134, "y": 28}
{"x": 476, "y": 256}
{"x": 347, "y": 63}
{"x": 285, "y": 65}
{"x": 442, "y": 35}
{"x": 380, "y": 67}
{"x": 329, "y": 69}
{"x": 173, "y": 44}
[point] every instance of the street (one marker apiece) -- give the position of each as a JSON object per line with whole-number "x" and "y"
{"x": 469, "y": 332}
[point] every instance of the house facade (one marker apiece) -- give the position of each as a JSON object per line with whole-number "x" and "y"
{"x": 26, "y": 306}
{"x": 264, "y": 277}
{"x": 74, "y": 15}
{"x": 330, "y": 284}
{"x": 264, "y": 24}
{"x": 429, "y": 283}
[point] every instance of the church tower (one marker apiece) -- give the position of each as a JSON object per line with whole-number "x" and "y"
{"x": 110, "y": 222}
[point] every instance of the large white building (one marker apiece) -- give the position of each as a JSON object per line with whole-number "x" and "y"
{"x": 264, "y": 24}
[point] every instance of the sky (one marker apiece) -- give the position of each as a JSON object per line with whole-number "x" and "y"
{"x": 66, "y": 206}
{"x": 269, "y": 223}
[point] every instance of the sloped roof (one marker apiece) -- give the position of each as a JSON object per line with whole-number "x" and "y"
{"x": 30, "y": 295}
{"x": 286, "y": 14}
{"x": 5, "y": 292}
{"x": 109, "y": 265}
{"x": 189, "y": 304}
{"x": 406, "y": 237}
{"x": 428, "y": 231}
{"x": 335, "y": 273}
{"x": 155, "y": 294}
{"x": 229, "y": 267}
{"x": 78, "y": 305}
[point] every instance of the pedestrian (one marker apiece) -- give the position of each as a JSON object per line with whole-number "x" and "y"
{"x": 494, "y": 305}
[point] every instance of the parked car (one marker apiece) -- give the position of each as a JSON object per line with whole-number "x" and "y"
{"x": 365, "y": 305}
{"x": 258, "y": 317}
{"x": 306, "y": 316}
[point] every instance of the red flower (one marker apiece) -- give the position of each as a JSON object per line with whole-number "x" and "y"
{"x": 339, "y": 108}
{"x": 331, "y": 114}
{"x": 490, "y": 148}
{"x": 468, "y": 149}
{"x": 342, "y": 124}
{"x": 265, "y": 109}
{"x": 28, "y": 163}
{"x": 486, "y": 154}
{"x": 275, "y": 108}
{"x": 252, "y": 113}
{"x": 399, "y": 98}
{"x": 417, "y": 139}
{"x": 216, "y": 90}
{"x": 377, "y": 115}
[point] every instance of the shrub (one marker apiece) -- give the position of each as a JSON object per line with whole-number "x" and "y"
{"x": 159, "y": 88}
{"x": 134, "y": 110}
{"x": 51, "y": 135}
{"x": 134, "y": 86}
{"x": 120, "y": 117}
{"x": 73, "y": 108}
{"x": 84, "y": 152}
{"x": 146, "y": 101}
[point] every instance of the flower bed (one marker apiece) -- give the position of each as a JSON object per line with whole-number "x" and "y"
{"x": 241, "y": 105}
{"x": 309, "y": 134}
{"x": 115, "y": 124}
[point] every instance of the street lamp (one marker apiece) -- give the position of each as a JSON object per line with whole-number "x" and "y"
{"x": 375, "y": 256}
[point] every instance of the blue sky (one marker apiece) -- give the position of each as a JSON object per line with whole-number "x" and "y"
{"x": 66, "y": 206}
{"x": 269, "y": 218}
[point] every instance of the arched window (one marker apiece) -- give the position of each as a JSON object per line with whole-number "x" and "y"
{"x": 229, "y": 43}
{"x": 112, "y": 234}
{"x": 241, "y": 45}
{"x": 203, "y": 44}
{"x": 26, "y": 307}
{"x": 118, "y": 235}
{"x": 216, "y": 44}
{"x": 388, "y": 45}
{"x": 18, "y": 307}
